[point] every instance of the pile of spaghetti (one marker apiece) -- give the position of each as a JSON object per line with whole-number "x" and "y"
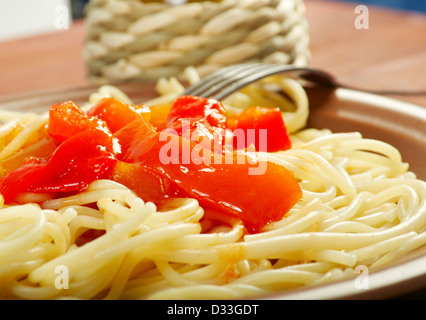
{"x": 160, "y": 200}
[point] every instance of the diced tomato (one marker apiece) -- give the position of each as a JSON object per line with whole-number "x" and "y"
{"x": 196, "y": 108}
{"x": 263, "y": 127}
{"x": 200, "y": 120}
{"x": 160, "y": 165}
{"x": 117, "y": 114}
{"x": 67, "y": 119}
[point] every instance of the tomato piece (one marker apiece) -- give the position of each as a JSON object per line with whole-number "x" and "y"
{"x": 135, "y": 137}
{"x": 78, "y": 161}
{"x": 67, "y": 119}
{"x": 236, "y": 188}
{"x": 261, "y": 126}
{"x": 160, "y": 165}
{"x": 196, "y": 108}
{"x": 117, "y": 114}
{"x": 146, "y": 183}
{"x": 200, "y": 120}
{"x": 88, "y": 236}
{"x": 159, "y": 114}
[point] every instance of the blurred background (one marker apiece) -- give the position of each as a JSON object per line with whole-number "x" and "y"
{"x": 18, "y": 18}
{"x": 408, "y": 5}
{"x": 22, "y": 18}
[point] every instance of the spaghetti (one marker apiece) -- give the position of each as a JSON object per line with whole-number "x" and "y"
{"x": 361, "y": 206}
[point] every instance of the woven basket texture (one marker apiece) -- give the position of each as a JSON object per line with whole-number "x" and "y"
{"x": 131, "y": 40}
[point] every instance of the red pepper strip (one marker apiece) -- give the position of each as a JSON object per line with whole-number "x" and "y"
{"x": 263, "y": 127}
{"x": 78, "y": 161}
{"x": 257, "y": 199}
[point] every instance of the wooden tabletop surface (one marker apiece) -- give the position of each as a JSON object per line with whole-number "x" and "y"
{"x": 390, "y": 54}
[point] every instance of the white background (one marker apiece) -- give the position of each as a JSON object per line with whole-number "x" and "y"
{"x": 22, "y": 18}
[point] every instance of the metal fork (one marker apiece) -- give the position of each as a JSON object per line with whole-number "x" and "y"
{"x": 228, "y": 80}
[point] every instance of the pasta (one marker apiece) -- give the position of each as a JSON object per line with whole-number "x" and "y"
{"x": 361, "y": 206}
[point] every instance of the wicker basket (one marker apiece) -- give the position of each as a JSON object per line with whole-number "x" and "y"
{"x": 131, "y": 40}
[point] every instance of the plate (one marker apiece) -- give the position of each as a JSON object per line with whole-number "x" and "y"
{"x": 398, "y": 123}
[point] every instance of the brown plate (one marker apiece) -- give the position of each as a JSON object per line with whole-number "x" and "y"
{"x": 401, "y": 124}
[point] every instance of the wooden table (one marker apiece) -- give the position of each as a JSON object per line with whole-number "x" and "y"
{"x": 390, "y": 54}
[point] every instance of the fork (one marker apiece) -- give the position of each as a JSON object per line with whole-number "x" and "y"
{"x": 228, "y": 80}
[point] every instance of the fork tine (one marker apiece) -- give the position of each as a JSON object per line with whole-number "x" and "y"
{"x": 213, "y": 79}
{"x": 239, "y": 73}
{"x": 227, "y": 80}
{"x": 262, "y": 71}
{"x": 220, "y": 79}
